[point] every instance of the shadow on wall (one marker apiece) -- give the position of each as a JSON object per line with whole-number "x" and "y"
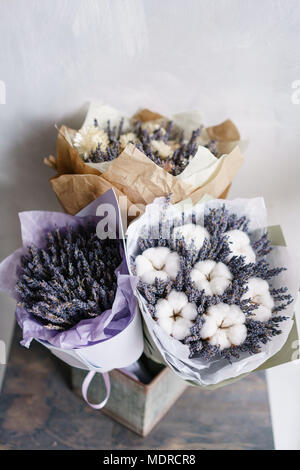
{"x": 24, "y": 185}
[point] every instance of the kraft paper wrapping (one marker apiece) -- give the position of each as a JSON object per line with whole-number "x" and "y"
{"x": 141, "y": 180}
{"x": 67, "y": 159}
{"x": 74, "y": 192}
{"x": 135, "y": 175}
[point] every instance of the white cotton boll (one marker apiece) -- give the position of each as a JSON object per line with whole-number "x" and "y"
{"x": 206, "y": 267}
{"x": 237, "y": 334}
{"x": 163, "y": 309}
{"x": 261, "y": 313}
{"x": 221, "y": 270}
{"x": 249, "y": 254}
{"x": 212, "y": 277}
{"x": 237, "y": 239}
{"x": 218, "y": 312}
{"x": 224, "y": 326}
{"x": 181, "y": 328}
{"x": 166, "y": 324}
{"x": 189, "y": 311}
{"x": 220, "y": 339}
{"x": 177, "y": 300}
{"x": 144, "y": 269}
{"x": 164, "y": 313}
{"x": 257, "y": 286}
{"x": 157, "y": 263}
{"x": 150, "y": 276}
{"x": 157, "y": 256}
{"x": 143, "y": 265}
{"x": 172, "y": 265}
{"x": 259, "y": 293}
{"x": 175, "y": 314}
{"x": 201, "y": 281}
{"x": 191, "y": 233}
{"x": 239, "y": 244}
{"x": 209, "y": 328}
{"x": 218, "y": 285}
{"x": 233, "y": 316}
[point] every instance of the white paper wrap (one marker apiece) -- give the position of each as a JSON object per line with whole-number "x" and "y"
{"x": 120, "y": 351}
{"x": 175, "y": 354}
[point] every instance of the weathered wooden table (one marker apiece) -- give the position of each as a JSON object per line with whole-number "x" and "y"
{"x": 38, "y": 410}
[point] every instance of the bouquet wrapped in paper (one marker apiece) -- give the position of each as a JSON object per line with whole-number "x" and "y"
{"x": 144, "y": 157}
{"x": 216, "y": 296}
{"x": 73, "y": 290}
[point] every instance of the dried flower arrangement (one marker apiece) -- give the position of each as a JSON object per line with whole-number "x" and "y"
{"x": 72, "y": 286}
{"x": 208, "y": 285}
{"x": 71, "y": 279}
{"x": 160, "y": 140}
{"x": 73, "y": 290}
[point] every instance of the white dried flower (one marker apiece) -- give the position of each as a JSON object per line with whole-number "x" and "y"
{"x": 126, "y": 138}
{"x": 159, "y": 262}
{"x": 259, "y": 293}
{"x": 88, "y": 139}
{"x": 239, "y": 244}
{"x": 152, "y": 126}
{"x": 175, "y": 314}
{"x": 164, "y": 150}
{"x": 191, "y": 233}
{"x": 224, "y": 326}
{"x": 212, "y": 277}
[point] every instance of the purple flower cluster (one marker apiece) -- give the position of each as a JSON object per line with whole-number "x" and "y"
{"x": 181, "y": 154}
{"x": 217, "y": 248}
{"x": 71, "y": 279}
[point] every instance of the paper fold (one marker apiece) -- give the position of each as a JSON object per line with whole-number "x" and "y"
{"x": 134, "y": 174}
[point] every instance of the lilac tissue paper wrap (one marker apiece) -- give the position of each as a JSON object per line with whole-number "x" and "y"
{"x": 34, "y": 226}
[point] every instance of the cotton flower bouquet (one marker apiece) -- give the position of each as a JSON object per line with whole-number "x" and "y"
{"x": 216, "y": 297}
{"x": 142, "y": 157}
{"x": 73, "y": 290}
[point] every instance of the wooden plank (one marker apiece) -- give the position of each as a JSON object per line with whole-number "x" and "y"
{"x": 39, "y": 410}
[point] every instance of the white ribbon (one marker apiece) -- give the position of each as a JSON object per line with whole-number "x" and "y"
{"x": 85, "y": 386}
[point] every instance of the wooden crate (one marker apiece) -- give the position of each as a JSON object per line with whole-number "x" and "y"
{"x": 137, "y": 406}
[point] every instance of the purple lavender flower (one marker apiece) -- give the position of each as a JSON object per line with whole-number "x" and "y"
{"x": 71, "y": 279}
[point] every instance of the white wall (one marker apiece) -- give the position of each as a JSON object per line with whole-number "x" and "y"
{"x": 229, "y": 58}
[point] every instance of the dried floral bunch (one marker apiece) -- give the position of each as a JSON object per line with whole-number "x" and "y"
{"x": 163, "y": 144}
{"x": 71, "y": 279}
{"x": 212, "y": 290}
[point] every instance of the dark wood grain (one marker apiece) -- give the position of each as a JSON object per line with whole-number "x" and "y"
{"x": 38, "y": 410}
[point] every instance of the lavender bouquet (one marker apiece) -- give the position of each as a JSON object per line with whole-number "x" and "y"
{"x": 144, "y": 157}
{"x": 72, "y": 287}
{"x": 216, "y": 297}
{"x": 166, "y": 143}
